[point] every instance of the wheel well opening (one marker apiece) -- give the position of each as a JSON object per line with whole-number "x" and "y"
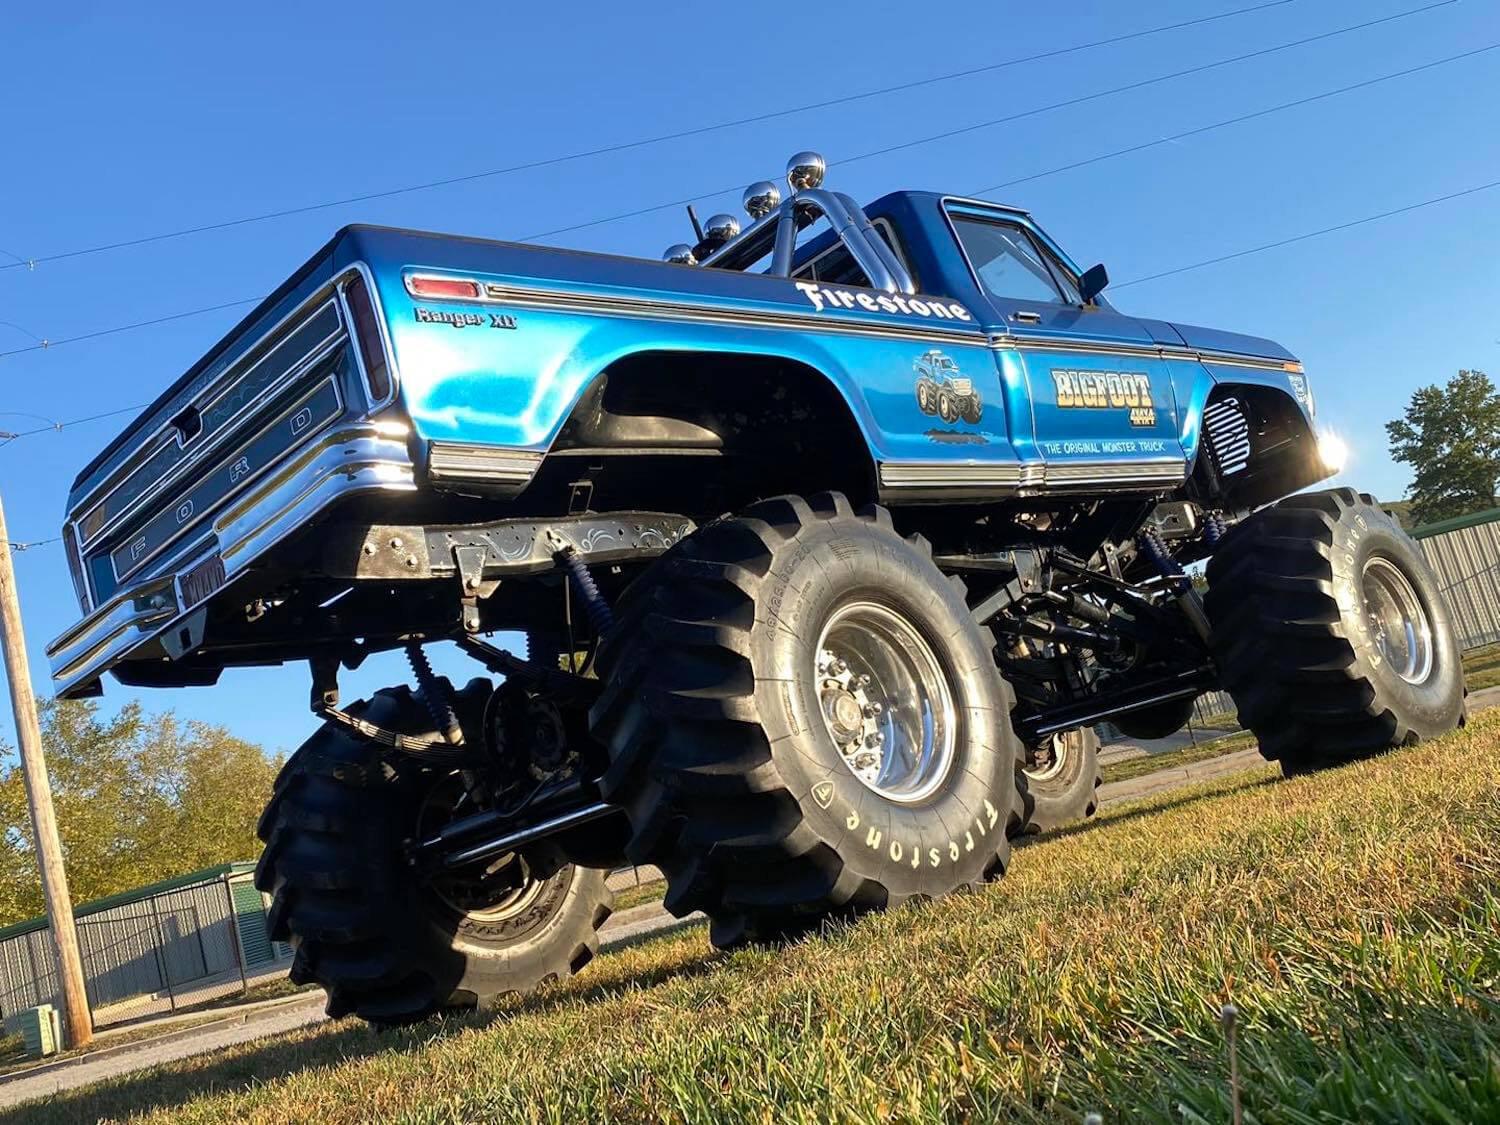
{"x": 1257, "y": 446}
{"x": 705, "y": 433}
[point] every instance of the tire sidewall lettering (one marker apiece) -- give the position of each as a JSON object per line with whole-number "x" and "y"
{"x": 829, "y": 563}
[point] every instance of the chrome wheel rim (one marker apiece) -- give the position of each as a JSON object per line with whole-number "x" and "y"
{"x": 502, "y": 889}
{"x": 1398, "y": 623}
{"x": 505, "y": 889}
{"x": 1053, "y": 755}
{"x": 885, "y": 702}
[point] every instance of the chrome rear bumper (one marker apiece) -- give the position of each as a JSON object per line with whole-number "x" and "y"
{"x": 350, "y": 459}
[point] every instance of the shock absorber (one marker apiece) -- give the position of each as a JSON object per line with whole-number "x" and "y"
{"x": 434, "y": 696}
{"x": 1154, "y": 547}
{"x": 593, "y": 601}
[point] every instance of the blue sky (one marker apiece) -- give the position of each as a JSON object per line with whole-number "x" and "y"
{"x": 118, "y": 126}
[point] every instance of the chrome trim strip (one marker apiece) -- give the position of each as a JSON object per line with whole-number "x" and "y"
{"x": 1008, "y": 342}
{"x": 1034, "y": 476}
{"x": 457, "y": 462}
{"x": 220, "y": 388}
{"x": 1235, "y": 359}
{"x": 531, "y": 297}
{"x": 1070, "y": 474}
{"x": 969, "y": 201}
{"x": 946, "y": 474}
{"x": 345, "y": 461}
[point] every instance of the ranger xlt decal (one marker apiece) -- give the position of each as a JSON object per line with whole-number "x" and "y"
{"x": 1106, "y": 390}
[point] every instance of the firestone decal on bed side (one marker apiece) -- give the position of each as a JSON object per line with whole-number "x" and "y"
{"x": 834, "y": 297}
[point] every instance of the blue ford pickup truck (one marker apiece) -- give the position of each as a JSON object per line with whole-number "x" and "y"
{"x": 831, "y": 540}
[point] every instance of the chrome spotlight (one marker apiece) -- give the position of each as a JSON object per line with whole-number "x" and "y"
{"x": 721, "y": 228}
{"x": 680, "y": 254}
{"x": 806, "y": 170}
{"x": 761, "y": 199}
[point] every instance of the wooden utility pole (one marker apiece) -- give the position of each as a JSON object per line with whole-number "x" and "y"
{"x": 79, "y": 1031}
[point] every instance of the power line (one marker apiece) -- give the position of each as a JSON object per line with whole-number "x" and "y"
{"x": 1310, "y": 234}
{"x": 909, "y": 144}
{"x": 626, "y": 146}
{"x": 24, "y": 332}
{"x": 6, "y": 437}
{"x": 1241, "y": 119}
{"x": 132, "y": 326}
{"x": 1023, "y": 114}
{"x": 1408, "y": 208}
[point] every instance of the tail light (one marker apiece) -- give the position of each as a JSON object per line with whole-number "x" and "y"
{"x": 367, "y": 332}
{"x": 420, "y": 285}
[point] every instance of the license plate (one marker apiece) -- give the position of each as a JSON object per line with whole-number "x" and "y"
{"x": 200, "y": 582}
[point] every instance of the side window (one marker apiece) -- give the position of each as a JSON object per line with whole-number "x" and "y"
{"x": 837, "y": 266}
{"x": 1010, "y": 266}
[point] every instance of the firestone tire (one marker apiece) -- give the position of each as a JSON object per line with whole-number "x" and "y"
{"x": 1308, "y": 602}
{"x": 384, "y": 946}
{"x": 713, "y": 715}
{"x": 1064, "y": 788}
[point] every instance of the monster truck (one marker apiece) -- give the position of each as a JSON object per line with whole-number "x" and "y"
{"x": 941, "y": 390}
{"x": 783, "y": 637}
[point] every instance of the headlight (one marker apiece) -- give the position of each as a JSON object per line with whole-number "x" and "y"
{"x": 1333, "y": 451}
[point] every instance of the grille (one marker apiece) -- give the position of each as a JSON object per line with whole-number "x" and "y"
{"x": 1228, "y": 433}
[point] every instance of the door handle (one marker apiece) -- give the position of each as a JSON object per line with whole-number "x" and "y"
{"x": 1024, "y": 317}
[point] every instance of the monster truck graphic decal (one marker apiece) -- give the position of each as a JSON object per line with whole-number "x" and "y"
{"x": 943, "y": 391}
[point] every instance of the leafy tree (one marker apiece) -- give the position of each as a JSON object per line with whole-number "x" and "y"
{"x": 1450, "y": 437}
{"x": 139, "y": 798}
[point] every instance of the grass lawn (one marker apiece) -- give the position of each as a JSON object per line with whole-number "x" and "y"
{"x": 638, "y": 895}
{"x": 1352, "y": 917}
{"x": 1482, "y": 667}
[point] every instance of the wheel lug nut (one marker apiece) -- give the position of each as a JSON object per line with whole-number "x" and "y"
{"x": 872, "y": 710}
{"x": 862, "y": 680}
{"x": 876, "y": 739}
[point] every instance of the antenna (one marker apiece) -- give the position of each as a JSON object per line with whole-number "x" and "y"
{"x": 697, "y": 226}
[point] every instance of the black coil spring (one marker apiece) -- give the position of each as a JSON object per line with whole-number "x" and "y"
{"x": 433, "y": 695}
{"x": 593, "y": 601}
